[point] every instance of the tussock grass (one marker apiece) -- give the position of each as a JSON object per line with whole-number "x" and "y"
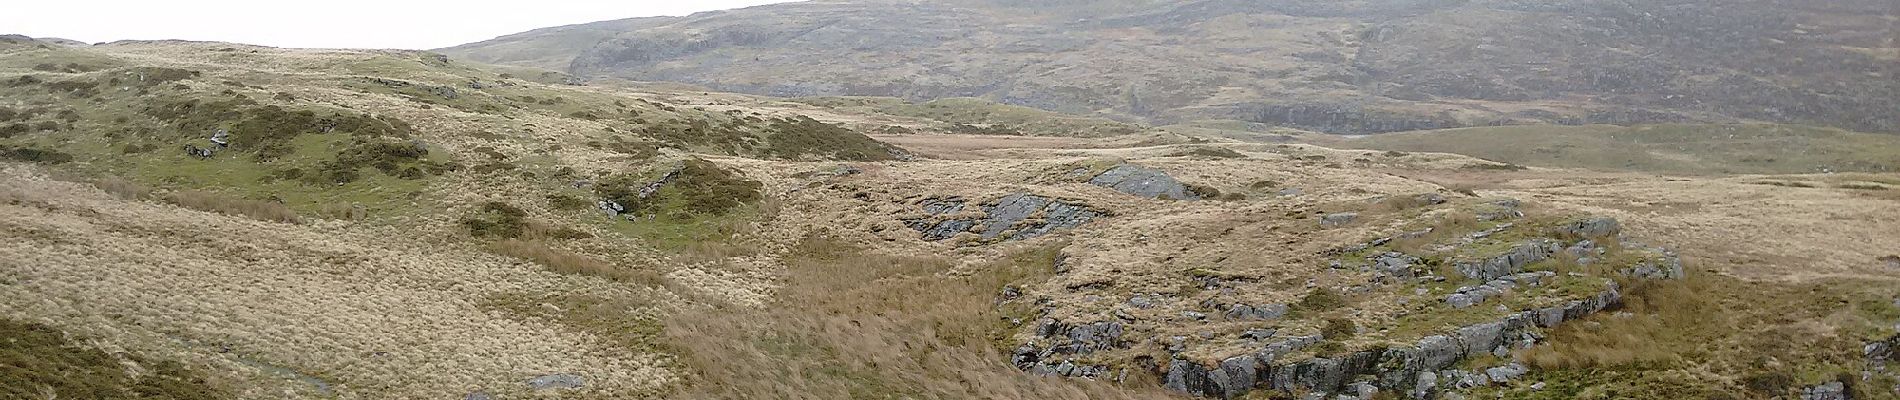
{"x": 40, "y": 362}
{"x": 124, "y": 189}
{"x": 1765, "y": 340}
{"x": 1455, "y": 224}
{"x": 223, "y": 204}
{"x": 855, "y": 324}
{"x": 566, "y": 262}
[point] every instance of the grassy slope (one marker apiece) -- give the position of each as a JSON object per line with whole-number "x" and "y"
{"x": 1670, "y": 149}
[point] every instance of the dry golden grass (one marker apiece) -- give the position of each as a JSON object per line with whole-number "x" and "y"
{"x": 1660, "y": 320}
{"x": 353, "y": 305}
{"x": 124, "y": 189}
{"x": 571, "y": 263}
{"x": 219, "y": 203}
{"x": 1719, "y": 337}
{"x": 853, "y": 324}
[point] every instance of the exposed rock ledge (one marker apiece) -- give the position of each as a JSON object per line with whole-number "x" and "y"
{"x": 1412, "y": 369}
{"x": 1014, "y": 217}
{"x": 1418, "y": 370}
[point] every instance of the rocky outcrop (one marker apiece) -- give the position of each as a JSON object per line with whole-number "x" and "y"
{"x": 1470, "y": 296}
{"x": 1510, "y": 262}
{"x": 1591, "y": 228}
{"x": 1057, "y": 343}
{"x": 1414, "y": 369}
{"x": 1145, "y": 182}
{"x": 1241, "y": 312}
{"x": 1669, "y": 267}
{"x": 1015, "y": 217}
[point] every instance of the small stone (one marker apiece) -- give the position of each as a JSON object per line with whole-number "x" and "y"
{"x": 1141, "y": 302}
{"x": 1337, "y": 220}
{"x": 1258, "y": 334}
{"x": 1537, "y": 386}
{"x": 557, "y": 381}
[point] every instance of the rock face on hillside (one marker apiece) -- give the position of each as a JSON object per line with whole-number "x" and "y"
{"x": 1014, "y": 217}
{"x": 1361, "y": 66}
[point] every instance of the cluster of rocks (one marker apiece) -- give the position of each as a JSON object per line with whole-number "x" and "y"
{"x": 1143, "y": 181}
{"x": 1499, "y": 210}
{"x": 1460, "y": 380}
{"x": 1601, "y": 227}
{"x": 1669, "y": 267}
{"x": 1242, "y": 312}
{"x": 1014, "y": 217}
{"x": 1827, "y": 391}
{"x": 1057, "y": 343}
{"x": 446, "y": 92}
{"x": 1401, "y": 266}
{"x": 1511, "y": 261}
{"x": 1880, "y": 353}
{"x": 1412, "y": 369}
{"x": 613, "y": 208}
{"x": 1473, "y": 295}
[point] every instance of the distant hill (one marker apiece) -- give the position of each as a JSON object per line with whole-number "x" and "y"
{"x": 1365, "y": 66}
{"x": 1666, "y": 149}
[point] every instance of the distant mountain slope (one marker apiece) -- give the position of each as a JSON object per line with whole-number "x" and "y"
{"x": 1362, "y": 66}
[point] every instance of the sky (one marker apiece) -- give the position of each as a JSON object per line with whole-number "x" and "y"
{"x": 395, "y": 24}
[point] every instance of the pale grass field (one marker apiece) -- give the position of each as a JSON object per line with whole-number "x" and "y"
{"x": 363, "y": 307}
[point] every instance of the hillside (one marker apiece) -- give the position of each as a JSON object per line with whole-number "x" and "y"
{"x": 401, "y": 224}
{"x": 1674, "y": 149}
{"x": 1339, "y": 67}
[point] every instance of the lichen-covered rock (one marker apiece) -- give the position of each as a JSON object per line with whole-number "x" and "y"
{"x": 1426, "y": 386}
{"x": 1080, "y": 338}
{"x": 1337, "y": 220}
{"x": 1668, "y": 267}
{"x": 1236, "y": 375}
{"x": 1014, "y": 217}
{"x": 1012, "y": 210}
{"x": 1827, "y": 391}
{"x": 557, "y": 381}
{"x": 1143, "y": 181}
{"x": 1396, "y": 264}
{"x": 1510, "y": 262}
{"x": 1601, "y": 227}
{"x": 1506, "y": 373}
{"x": 1261, "y": 312}
{"x": 1189, "y": 377}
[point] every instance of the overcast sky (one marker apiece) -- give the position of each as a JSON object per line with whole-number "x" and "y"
{"x": 401, "y": 24}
